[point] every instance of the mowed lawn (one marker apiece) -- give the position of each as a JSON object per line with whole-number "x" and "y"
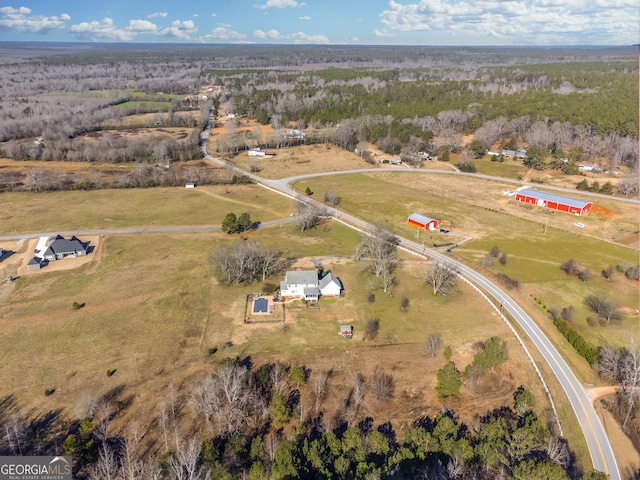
{"x": 104, "y": 209}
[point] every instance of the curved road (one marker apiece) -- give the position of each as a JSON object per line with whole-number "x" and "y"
{"x": 600, "y": 449}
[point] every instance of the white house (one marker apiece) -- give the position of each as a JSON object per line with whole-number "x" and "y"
{"x": 307, "y": 285}
{"x": 587, "y": 166}
{"x": 330, "y": 285}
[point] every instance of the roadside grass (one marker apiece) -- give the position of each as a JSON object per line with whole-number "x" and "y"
{"x": 104, "y": 209}
{"x": 507, "y": 169}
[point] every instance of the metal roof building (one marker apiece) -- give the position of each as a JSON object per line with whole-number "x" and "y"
{"x": 554, "y": 202}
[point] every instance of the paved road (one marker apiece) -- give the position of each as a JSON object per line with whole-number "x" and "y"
{"x": 125, "y": 231}
{"x": 600, "y": 449}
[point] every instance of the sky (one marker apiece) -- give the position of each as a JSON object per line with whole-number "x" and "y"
{"x": 350, "y": 22}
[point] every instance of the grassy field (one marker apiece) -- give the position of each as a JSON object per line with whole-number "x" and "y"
{"x": 534, "y": 257}
{"x": 103, "y": 209}
{"x": 164, "y": 311}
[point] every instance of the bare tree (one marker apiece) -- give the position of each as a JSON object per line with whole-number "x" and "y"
{"x": 330, "y": 197}
{"x": 107, "y": 466}
{"x": 308, "y": 215}
{"x": 433, "y": 344}
{"x": 380, "y": 246}
{"x": 320, "y": 388}
{"x": 603, "y": 306}
{"x": 443, "y": 278}
{"x": 382, "y": 386}
{"x": 184, "y": 464}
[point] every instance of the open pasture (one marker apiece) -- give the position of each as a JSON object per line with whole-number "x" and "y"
{"x": 104, "y": 209}
{"x": 478, "y": 210}
{"x": 165, "y": 310}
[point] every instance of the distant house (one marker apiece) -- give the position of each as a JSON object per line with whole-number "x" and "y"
{"x": 307, "y": 285}
{"x": 587, "y": 166}
{"x": 256, "y": 152}
{"x": 295, "y": 134}
{"x": 189, "y": 185}
{"x": 58, "y": 247}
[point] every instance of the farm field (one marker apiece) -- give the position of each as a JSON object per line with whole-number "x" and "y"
{"x": 176, "y": 206}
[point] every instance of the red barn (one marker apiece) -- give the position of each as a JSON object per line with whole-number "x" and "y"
{"x": 554, "y": 202}
{"x": 422, "y": 222}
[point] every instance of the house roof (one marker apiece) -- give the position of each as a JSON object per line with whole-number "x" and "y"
{"x": 423, "y": 219}
{"x": 311, "y": 291}
{"x": 329, "y": 278}
{"x": 62, "y": 246}
{"x": 301, "y": 277}
{"x": 572, "y": 202}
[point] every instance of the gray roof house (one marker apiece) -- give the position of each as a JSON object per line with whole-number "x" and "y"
{"x": 305, "y": 284}
{"x": 59, "y": 247}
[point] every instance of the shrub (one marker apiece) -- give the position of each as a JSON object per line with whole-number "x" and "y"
{"x": 404, "y": 303}
{"x": 308, "y": 191}
{"x": 447, "y": 353}
{"x": 570, "y": 267}
{"x": 509, "y": 282}
{"x": 371, "y": 298}
{"x": 111, "y": 372}
{"x": 77, "y": 306}
{"x": 584, "y": 275}
{"x": 584, "y": 349}
{"x": 371, "y": 328}
{"x": 49, "y": 391}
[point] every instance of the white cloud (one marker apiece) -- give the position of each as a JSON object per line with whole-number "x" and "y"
{"x": 103, "y": 29}
{"x": 517, "y": 22}
{"x": 297, "y": 38}
{"x": 142, "y": 26}
{"x": 271, "y": 34}
{"x": 382, "y": 33}
{"x": 158, "y": 14}
{"x": 280, "y": 4}
{"x": 222, "y": 32}
{"x": 304, "y": 17}
{"x": 195, "y": 15}
{"x": 20, "y": 19}
{"x": 180, "y": 29}
{"x": 214, "y": 14}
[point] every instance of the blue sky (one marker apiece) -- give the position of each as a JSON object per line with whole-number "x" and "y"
{"x": 357, "y": 22}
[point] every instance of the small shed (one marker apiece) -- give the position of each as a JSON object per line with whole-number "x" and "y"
{"x": 422, "y": 221}
{"x": 189, "y": 185}
{"x": 34, "y": 264}
{"x": 346, "y": 331}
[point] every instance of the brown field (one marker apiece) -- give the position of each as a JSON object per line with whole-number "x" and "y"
{"x": 178, "y": 133}
{"x": 145, "y": 119}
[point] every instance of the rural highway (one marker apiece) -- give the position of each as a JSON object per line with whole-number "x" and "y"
{"x": 596, "y": 438}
